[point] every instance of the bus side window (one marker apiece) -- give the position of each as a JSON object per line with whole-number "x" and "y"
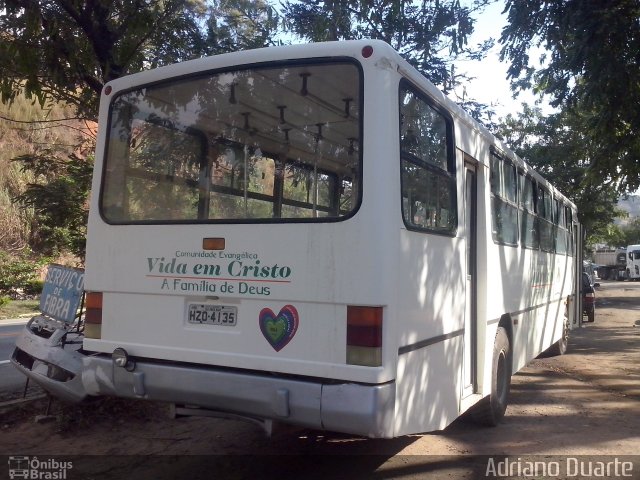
{"x": 504, "y": 210}
{"x": 561, "y": 228}
{"x": 427, "y": 168}
{"x": 569, "y": 222}
{"x": 545, "y": 216}
{"x": 529, "y": 221}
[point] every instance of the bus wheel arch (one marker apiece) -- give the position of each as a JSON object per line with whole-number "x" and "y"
{"x": 491, "y": 409}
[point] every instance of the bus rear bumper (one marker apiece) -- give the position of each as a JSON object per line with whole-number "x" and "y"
{"x": 48, "y": 353}
{"x": 344, "y": 407}
{"x": 72, "y": 375}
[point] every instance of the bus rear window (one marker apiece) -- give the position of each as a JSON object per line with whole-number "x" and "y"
{"x": 257, "y": 144}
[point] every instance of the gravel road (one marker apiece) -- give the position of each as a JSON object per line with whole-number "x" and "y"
{"x": 585, "y": 403}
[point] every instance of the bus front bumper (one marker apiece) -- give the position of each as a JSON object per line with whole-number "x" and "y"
{"x": 68, "y": 373}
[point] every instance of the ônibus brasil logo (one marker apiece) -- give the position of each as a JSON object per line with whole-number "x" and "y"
{"x": 34, "y": 468}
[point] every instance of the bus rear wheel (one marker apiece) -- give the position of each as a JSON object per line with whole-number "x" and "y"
{"x": 490, "y": 410}
{"x": 560, "y": 347}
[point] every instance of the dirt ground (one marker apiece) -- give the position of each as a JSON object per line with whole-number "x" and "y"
{"x": 584, "y": 403}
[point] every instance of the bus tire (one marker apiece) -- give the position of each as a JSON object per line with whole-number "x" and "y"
{"x": 491, "y": 409}
{"x": 560, "y": 347}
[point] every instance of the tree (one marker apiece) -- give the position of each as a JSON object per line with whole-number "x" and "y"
{"x": 59, "y": 196}
{"x": 241, "y": 25}
{"x": 612, "y": 236}
{"x": 428, "y": 34}
{"x": 631, "y": 232}
{"x": 558, "y": 148}
{"x": 66, "y": 50}
{"x": 592, "y": 66}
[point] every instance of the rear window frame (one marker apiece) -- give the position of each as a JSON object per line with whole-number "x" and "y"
{"x": 296, "y": 62}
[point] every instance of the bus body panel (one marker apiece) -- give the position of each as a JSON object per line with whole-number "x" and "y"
{"x": 149, "y": 274}
{"x": 421, "y": 372}
{"x": 534, "y": 295}
{"x": 430, "y": 338}
{"x": 146, "y": 308}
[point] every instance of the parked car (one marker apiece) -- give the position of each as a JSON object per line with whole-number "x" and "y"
{"x": 588, "y": 297}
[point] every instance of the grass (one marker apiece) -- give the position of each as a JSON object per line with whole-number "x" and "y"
{"x": 18, "y": 308}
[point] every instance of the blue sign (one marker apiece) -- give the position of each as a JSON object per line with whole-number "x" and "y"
{"x": 62, "y": 292}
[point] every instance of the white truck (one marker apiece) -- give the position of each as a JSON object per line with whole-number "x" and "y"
{"x": 611, "y": 263}
{"x": 633, "y": 262}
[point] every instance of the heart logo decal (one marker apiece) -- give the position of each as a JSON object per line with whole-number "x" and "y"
{"x": 279, "y": 329}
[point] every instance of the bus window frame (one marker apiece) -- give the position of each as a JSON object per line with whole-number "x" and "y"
{"x": 450, "y": 174}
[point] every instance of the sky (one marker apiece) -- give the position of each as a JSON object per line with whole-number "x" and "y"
{"x": 491, "y": 86}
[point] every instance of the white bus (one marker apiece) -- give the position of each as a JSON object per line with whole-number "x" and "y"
{"x": 316, "y": 235}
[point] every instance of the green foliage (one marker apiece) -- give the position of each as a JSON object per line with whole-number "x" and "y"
{"x": 592, "y": 68}
{"x": 63, "y": 52}
{"x": 429, "y": 34}
{"x": 20, "y": 273}
{"x": 58, "y": 196}
{"x": 33, "y": 287}
{"x": 611, "y": 235}
{"x": 32, "y": 127}
{"x": 67, "y": 50}
{"x": 18, "y": 308}
{"x": 630, "y": 233}
{"x": 620, "y": 235}
{"x": 240, "y": 25}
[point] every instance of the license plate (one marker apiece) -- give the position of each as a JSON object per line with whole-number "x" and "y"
{"x": 203, "y": 314}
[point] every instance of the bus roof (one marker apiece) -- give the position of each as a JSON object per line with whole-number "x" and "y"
{"x": 385, "y": 55}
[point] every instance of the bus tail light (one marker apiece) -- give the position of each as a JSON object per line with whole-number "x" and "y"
{"x": 364, "y": 336}
{"x": 93, "y": 315}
